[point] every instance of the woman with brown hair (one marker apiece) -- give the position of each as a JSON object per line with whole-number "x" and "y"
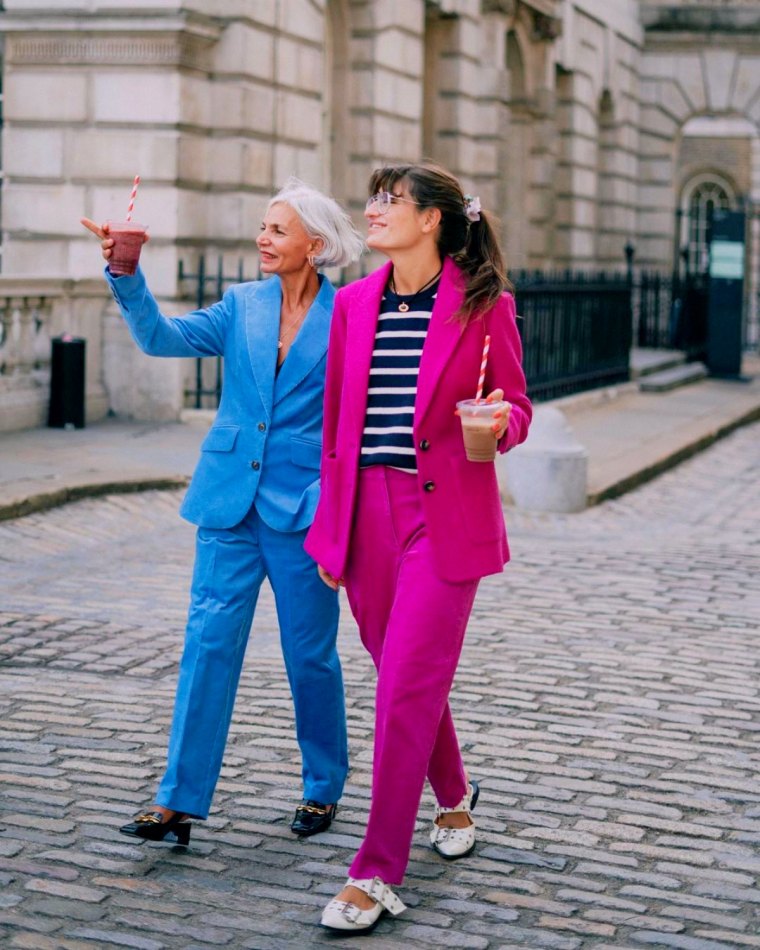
{"x": 405, "y": 520}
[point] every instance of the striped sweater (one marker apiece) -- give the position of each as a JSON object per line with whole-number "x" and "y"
{"x": 387, "y": 438}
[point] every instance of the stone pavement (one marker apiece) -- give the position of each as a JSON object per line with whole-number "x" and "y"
{"x": 608, "y": 699}
{"x": 632, "y": 436}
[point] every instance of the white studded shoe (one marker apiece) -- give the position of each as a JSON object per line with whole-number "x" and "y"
{"x": 345, "y": 916}
{"x": 453, "y": 843}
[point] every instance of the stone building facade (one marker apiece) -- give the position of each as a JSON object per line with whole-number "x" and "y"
{"x": 585, "y": 124}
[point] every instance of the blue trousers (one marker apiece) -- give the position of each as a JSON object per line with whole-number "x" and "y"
{"x": 230, "y": 566}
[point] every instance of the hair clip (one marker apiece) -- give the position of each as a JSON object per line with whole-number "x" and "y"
{"x": 472, "y": 207}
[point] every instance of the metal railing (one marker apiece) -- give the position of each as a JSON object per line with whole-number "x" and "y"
{"x": 670, "y": 312}
{"x": 575, "y": 329}
{"x": 206, "y": 286}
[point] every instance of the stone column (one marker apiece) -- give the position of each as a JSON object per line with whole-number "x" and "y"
{"x": 465, "y": 89}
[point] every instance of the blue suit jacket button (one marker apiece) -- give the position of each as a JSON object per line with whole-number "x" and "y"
{"x": 255, "y": 466}
{"x": 262, "y": 427}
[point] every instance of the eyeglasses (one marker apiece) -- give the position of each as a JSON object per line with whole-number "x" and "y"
{"x": 383, "y": 200}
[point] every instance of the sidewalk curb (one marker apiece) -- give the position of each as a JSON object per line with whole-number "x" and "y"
{"x": 671, "y": 460}
{"x": 42, "y": 501}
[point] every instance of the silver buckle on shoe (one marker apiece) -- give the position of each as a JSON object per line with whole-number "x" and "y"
{"x": 379, "y": 891}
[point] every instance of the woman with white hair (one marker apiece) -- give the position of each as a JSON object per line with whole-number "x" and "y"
{"x": 253, "y": 496}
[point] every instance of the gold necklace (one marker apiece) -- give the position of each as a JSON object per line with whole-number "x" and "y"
{"x": 290, "y": 325}
{"x": 404, "y": 306}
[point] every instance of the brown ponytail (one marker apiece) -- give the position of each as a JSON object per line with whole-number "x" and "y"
{"x": 473, "y": 245}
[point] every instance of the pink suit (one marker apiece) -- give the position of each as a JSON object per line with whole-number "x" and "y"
{"x": 412, "y": 548}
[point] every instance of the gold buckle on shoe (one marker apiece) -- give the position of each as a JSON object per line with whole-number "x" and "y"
{"x": 312, "y": 810}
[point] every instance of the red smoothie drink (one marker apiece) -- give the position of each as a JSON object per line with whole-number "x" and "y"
{"x": 128, "y": 241}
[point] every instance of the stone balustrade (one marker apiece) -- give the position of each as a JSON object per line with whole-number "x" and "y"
{"x": 33, "y": 310}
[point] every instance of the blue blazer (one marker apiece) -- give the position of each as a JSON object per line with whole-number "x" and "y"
{"x": 264, "y": 446}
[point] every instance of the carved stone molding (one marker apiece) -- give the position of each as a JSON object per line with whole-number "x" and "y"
{"x": 98, "y": 40}
{"x": 76, "y": 49}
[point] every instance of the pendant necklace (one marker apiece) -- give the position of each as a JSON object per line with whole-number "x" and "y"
{"x": 290, "y": 325}
{"x": 404, "y": 306}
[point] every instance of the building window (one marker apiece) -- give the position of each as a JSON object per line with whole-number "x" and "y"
{"x": 701, "y": 198}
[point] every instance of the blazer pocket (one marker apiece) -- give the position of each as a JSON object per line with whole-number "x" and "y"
{"x": 220, "y": 439}
{"x": 305, "y": 453}
{"x": 480, "y": 502}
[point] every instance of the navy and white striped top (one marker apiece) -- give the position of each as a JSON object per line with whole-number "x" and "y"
{"x": 387, "y": 438}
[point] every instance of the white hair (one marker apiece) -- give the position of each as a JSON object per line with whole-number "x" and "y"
{"x": 322, "y": 217}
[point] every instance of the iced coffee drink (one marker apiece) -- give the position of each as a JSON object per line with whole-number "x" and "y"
{"x": 477, "y": 418}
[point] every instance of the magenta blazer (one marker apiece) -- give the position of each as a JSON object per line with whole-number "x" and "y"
{"x": 460, "y": 499}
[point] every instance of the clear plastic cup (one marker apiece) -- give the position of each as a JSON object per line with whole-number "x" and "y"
{"x": 477, "y": 421}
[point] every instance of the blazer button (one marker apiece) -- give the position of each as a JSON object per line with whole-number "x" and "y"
{"x": 255, "y": 466}
{"x": 262, "y": 427}
{"x": 429, "y": 486}
{"x": 424, "y": 445}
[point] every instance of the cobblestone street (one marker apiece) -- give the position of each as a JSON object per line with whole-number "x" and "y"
{"x": 608, "y": 700}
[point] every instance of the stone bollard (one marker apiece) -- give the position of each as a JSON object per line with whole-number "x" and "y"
{"x": 548, "y": 471}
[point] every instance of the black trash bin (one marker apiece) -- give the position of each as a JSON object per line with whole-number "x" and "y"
{"x": 67, "y": 371}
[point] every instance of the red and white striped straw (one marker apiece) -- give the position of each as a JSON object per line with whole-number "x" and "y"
{"x": 483, "y": 364}
{"x": 131, "y": 206}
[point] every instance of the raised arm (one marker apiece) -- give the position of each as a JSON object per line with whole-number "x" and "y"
{"x": 199, "y": 333}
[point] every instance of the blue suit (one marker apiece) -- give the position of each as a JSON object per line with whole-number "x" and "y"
{"x": 253, "y": 496}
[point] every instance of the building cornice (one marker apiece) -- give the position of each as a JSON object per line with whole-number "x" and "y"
{"x": 171, "y": 40}
{"x": 732, "y": 16}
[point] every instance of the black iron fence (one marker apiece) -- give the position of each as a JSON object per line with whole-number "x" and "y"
{"x": 652, "y": 305}
{"x": 206, "y": 286}
{"x": 670, "y": 312}
{"x": 575, "y": 328}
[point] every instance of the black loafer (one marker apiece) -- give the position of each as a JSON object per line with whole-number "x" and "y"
{"x": 155, "y": 826}
{"x": 312, "y": 817}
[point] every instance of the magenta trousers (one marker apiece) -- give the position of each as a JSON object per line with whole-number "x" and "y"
{"x": 412, "y": 623}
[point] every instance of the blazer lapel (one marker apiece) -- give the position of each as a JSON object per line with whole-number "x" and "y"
{"x": 310, "y": 344}
{"x": 442, "y": 337}
{"x": 262, "y": 323}
{"x": 363, "y": 311}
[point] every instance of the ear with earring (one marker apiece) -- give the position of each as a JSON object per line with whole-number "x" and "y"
{"x": 310, "y": 260}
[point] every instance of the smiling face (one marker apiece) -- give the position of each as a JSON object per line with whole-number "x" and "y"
{"x": 283, "y": 242}
{"x": 400, "y": 226}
